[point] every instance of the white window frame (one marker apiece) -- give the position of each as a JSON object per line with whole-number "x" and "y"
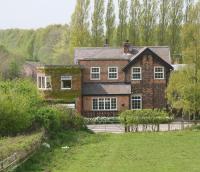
{"x": 45, "y": 82}
{"x": 112, "y": 72}
{"x": 136, "y": 73}
{"x": 67, "y": 79}
{"x": 140, "y": 101}
{"x": 163, "y": 72}
{"x": 104, "y": 98}
{"x": 95, "y": 73}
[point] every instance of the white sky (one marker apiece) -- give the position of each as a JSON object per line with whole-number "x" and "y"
{"x": 28, "y": 14}
{"x": 34, "y": 13}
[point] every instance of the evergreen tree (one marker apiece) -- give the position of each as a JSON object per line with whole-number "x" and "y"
{"x": 98, "y": 23}
{"x": 148, "y": 22}
{"x": 79, "y": 35}
{"x": 110, "y": 21}
{"x": 134, "y": 22}
{"x": 163, "y": 22}
{"x": 122, "y": 27}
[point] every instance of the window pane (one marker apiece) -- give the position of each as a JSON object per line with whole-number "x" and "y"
{"x": 95, "y": 70}
{"x": 66, "y": 84}
{"x": 136, "y": 73}
{"x": 95, "y": 76}
{"x": 107, "y": 103}
{"x": 42, "y": 82}
{"x": 136, "y": 102}
{"x": 48, "y": 82}
{"x": 95, "y": 104}
{"x": 101, "y": 104}
{"x": 113, "y": 103}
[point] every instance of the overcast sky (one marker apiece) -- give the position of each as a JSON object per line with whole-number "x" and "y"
{"x": 28, "y": 14}
{"x": 34, "y": 13}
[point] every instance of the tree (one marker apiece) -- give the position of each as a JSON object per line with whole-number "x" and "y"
{"x": 175, "y": 19}
{"x": 110, "y": 21}
{"x": 122, "y": 27}
{"x": 134, "y": 22}
{"x": 182, "y": 96}
{"x": 98, "y": 23}
{"x": 163, "y": 22}
{"x": 148, "y": 22}
{"x": 79, "y": 31}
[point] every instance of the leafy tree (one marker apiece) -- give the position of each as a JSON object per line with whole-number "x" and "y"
{"x": 98, "y": 23}
{"x": 148, "y": 22}
{"x": 134, "y": 22}
{"x": 182, "y": 96}
{"x": 79, "y": 27}
{"x": 175, "y": 21}
{"x": 110, "y": 21}
{"x": 122, "y": 27}
{"x": 163, "y": 22}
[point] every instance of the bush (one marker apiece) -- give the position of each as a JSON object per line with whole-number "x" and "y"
{"x": 18, "y": 98}
{"x": 48, "y": 117}
{"x": 145, "y": 117}
{"x": 70, "y": 119}
{"x": 54, "y": 119}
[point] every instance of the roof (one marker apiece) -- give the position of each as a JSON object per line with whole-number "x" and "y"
{"x": 100, "y": 53}
{"x": 107, "y": 88}
{"x": 162, "y": 53}
{"x": 118, "y": 53}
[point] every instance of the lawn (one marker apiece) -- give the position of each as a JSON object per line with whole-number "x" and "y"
{"x": 10, "y": 145}
{"x": 139, "y": 152}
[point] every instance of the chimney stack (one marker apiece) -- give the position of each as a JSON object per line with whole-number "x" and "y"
{"x": 126, "y": 46}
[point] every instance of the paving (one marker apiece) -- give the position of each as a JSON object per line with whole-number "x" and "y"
{"x": 119, "y": 128}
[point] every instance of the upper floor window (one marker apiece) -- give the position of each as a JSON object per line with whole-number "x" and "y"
{"x": 136, "y": 73}
{"x": 158, "y": 72}
{"x": 95, "y": 73}
{"x": 66, "y": 82}
{"x": 44, "y": 82}
{"x": 104, "y": 103}
{"x": 136, "y": 102}
{"x": 112, "y": 72}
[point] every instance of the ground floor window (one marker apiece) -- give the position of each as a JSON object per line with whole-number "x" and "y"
{"x": 136, "y": 101}
{"x": 104, "y": 103}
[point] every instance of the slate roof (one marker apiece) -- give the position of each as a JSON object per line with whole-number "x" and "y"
{"x": 118, "y": 53}
{"x": 103, "y": 89}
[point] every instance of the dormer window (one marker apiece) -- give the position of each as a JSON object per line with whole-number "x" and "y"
{"x": 112, "y": 72}
{"x": 95, "y": 73}
{"x": 66, "y": 82}
{"x": 44, "y": 82}
{"x": 158, "y": 72}
{"x": 136, "y": 73}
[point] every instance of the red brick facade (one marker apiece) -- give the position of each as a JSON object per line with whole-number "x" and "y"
{"x": 152, "y": 90}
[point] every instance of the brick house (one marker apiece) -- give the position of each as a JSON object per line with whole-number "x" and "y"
{"x": 115, "y": 79}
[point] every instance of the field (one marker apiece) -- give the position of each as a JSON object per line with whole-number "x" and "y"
{"x": 140, "y": 152}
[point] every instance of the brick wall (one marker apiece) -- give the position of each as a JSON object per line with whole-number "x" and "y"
{"x": 103, "y": 64}
{"x": 152, "y": 90}
{"x": 122, "y": 103}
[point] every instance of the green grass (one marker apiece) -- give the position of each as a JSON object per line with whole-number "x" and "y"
{"x": 132, "y": 152}
{"x": 10, "y": 145}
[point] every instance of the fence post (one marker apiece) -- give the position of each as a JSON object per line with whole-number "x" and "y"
{"x": 168, "y": 126}
{"x": 182, "y": 125}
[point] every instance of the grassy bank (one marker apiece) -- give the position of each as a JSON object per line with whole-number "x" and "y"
{"x": 140, "y": 152}
{"x": 10, "y": 145}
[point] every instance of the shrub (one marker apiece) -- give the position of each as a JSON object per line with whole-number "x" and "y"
{"x": 70, "y": 119}
{"x": 48, "y": 117}
{"x": 18, "y": 98}
{"x": 145, "y": 117}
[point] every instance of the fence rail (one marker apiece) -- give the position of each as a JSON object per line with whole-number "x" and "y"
{"x": 9, "y": 161}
